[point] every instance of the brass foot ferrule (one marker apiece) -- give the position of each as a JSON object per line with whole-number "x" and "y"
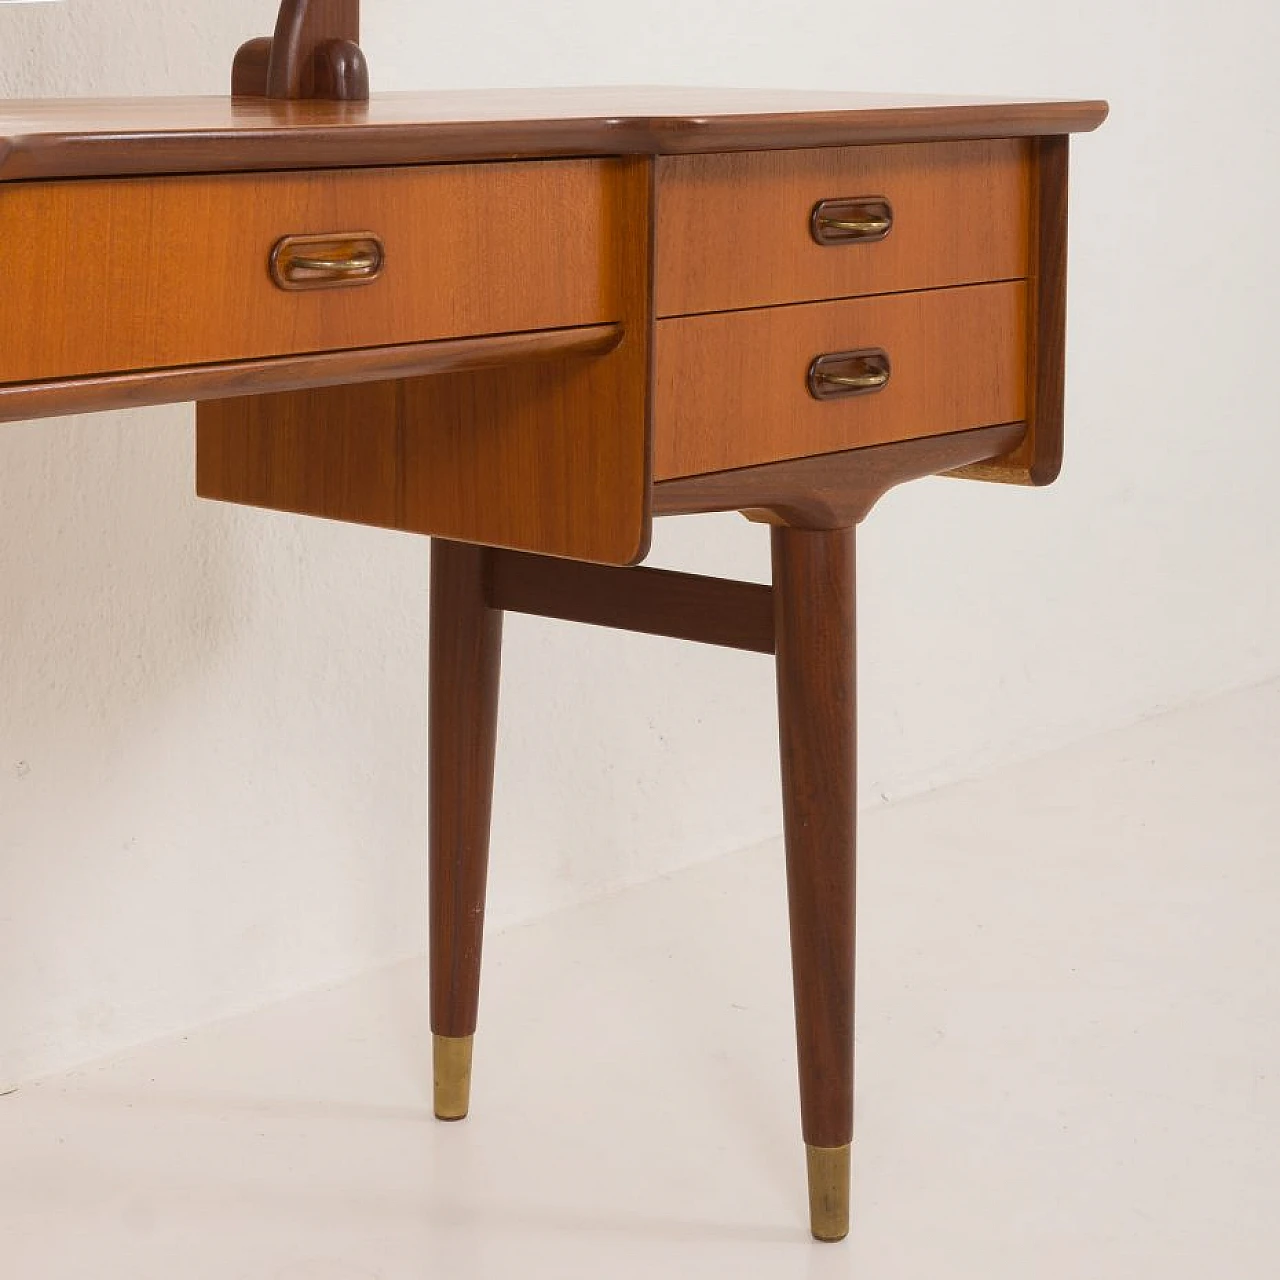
{"x": 828, "y": 1191}
{"x": 452, "y": 1061}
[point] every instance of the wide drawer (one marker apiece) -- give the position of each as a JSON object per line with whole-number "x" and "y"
{"x": 739, "y": 230}
{"x": 140, "y": 273}
{"x": 734, "y": 389}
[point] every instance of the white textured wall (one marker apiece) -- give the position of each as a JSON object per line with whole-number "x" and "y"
{"x": 212, "y": 729}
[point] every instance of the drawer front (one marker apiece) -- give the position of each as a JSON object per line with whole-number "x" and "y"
{"x": 733, "y": 390}
{"x": 140, "y": 273}
{"x": 737, "y": 230}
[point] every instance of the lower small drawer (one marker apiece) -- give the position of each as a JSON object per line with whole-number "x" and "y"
{"x": 733, "y": 389}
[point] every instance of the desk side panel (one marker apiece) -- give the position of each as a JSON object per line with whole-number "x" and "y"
{"x": 1038, "y": 458}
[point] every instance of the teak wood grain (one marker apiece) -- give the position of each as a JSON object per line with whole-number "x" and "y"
{"x": 133, "y": 274}
{"x": 96, "y": 137}
{"x": 552, "y": 456}
{"x": 1038, "y": 458}
{"x": 730, "y": 388}
{"x": 734, "y": 229}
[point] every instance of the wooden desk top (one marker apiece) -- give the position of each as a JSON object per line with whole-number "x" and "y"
{"x": 63, "y": 138}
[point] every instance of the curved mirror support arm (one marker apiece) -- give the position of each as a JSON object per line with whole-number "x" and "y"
{"x": 315, "y": 53}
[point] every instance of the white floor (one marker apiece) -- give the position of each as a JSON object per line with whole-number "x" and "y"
{"x": 1069, "y": 1066}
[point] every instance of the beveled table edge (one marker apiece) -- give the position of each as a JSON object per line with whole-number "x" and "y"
{"x": 74, "y": 138}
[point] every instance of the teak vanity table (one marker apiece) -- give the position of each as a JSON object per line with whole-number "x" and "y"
{"x": 526, "y": 324}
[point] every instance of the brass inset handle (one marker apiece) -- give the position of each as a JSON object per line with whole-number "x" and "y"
{"x": 326, "y": 261}
{"x": 859, "y": 382}
{"x": 358, "y": 266}
{"x": 849, "y": 373}
{"x": 867, "y": 226}
{"x": 860, "y": 220}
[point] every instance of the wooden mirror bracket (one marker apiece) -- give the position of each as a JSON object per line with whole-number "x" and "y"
{"x": 315, "y": 53}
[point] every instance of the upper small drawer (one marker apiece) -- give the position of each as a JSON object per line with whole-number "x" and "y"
{"x": 106, "y": 276}
{"x": 737, "y": 230}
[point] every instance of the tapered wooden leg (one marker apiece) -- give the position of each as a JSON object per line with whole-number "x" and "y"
{"x": 465, "y": 654}
{"x": 813, "y": 581}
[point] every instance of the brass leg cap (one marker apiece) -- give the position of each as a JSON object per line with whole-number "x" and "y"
{"x": 452, "y": 1061}
{"x": 828, "y": 1191}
